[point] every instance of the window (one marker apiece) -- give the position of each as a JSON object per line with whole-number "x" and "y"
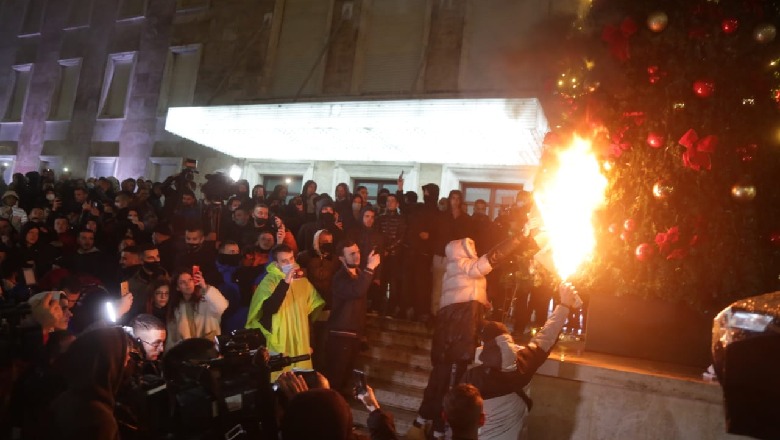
{"x": 373, "y": 187}
{"x": 101, "y": 166}
{"x": 181, "y": 74}
{"x": 294, "y": 185}
{"x": 65, "y": 92}
{"x": 495, "y": 194}
{"x": 33, "y": 17}
{"x": 21, "y": 84}
{"x": 79, "y": 14}
{"x": 116, "y": 85}
{"x": 129, "y": 9}
{"x": 164, "y": 167}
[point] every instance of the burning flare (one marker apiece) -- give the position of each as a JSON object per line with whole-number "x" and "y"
{"x": 566, "y": 198}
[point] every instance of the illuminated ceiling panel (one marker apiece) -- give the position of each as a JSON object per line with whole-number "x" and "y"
{"x": 445, "y": 131}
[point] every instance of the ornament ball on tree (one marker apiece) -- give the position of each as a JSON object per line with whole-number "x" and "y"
{"x": 657, "y": 21}
{"x": 704, "y": 88}
{"x": 765, "y": 33}
{"x": 662, "y": 190}
{"x": 729, "y": 25}
{"x": 644, "y": 251}
{"x": 629, "y": 225}
{"x": 743, "y": 192}
{"x": 655, "y": 140}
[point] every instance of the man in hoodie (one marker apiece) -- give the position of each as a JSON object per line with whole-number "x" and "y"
{"x": 326, "y": 219}
{"x": 320, "y": 264}
{"x": 12, "y": 211}
{"x": 419, "y": 252}
{"x": 369, "y": 239}
{"x": 458, "y": 322}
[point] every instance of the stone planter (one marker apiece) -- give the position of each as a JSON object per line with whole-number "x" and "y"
{"x": 648, "y": 329}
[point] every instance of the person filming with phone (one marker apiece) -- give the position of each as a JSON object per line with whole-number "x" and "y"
{"x": 282, "y": 305}
{"x": 195, "y": 309}
{"x": 347, "y": 322}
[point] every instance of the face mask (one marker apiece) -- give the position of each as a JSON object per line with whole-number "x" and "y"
{"x": 287, "y": 268}
{"x": 430, "y": 200}
{"x": 153, "y": 267}
{"x": 356, "y": 206}
{"x": 193, "y": 247}
{"x": 50, "y": 197}
{"x": 260, "y": 221}
{"x": 327, "y": 218}
{"x": 229, "y": 259}
{"x": 327, "y": 248}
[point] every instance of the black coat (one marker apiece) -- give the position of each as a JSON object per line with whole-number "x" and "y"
{"x": 348, "y": 312}
{"x": 456, "y": 335}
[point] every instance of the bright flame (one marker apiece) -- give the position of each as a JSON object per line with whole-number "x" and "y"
{"x": 566, "y": 201}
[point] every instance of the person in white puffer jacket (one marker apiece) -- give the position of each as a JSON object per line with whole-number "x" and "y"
{"x": 458, "y": 324}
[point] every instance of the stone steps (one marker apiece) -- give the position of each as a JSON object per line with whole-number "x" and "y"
{"x": 397, "y": 365}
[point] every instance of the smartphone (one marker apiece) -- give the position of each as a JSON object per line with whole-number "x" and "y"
{"x": 124, "y": 288}
{"x": 195, "y": 269}
{"x": 29, "y": 276}
{"x": 309, "y": 376}
{"x": 401, "y": 176}
{"x": 360, "y": 382}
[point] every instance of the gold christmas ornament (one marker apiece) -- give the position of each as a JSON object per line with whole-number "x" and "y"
{"x": 657, "y": 21}
{"x": 743, "y": 192}
{"x": 765, "y": 33}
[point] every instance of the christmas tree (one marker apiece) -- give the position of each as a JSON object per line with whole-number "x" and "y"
{"x": 682, "y": 103}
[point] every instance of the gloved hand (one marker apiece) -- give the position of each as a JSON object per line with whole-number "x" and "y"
{"x": 569, "y": 296}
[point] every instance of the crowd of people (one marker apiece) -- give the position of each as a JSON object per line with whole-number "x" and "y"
{"x": 304, "y": 270}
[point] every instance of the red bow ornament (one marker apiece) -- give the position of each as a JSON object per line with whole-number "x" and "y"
{"x": 617, "y": 38}
{"x": 697, "y": 155}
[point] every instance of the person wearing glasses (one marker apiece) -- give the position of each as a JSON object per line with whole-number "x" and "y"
{"x": 150, "y": 331}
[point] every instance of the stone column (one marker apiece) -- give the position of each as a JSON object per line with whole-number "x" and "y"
{"x": 136, "y": 139}
{"x": 45, "y": 74}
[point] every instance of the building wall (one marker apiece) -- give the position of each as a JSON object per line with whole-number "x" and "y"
{"x": 248, "y": 51}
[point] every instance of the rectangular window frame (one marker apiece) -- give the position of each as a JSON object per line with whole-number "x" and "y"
{"x": 169, "y": 76}
{"x": 57, "y": 98}
{"x": 108, "y": 77}
{"x": 493, "y": 205}
{"x": 9, "y": 105}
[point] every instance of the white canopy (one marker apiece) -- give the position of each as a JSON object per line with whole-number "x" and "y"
{"x": 444, "y": 131}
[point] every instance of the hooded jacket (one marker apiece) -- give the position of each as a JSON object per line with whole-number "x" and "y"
{"x": 464, "y": 279}
{"x": 320, "y": 268}
{"x": 95, "y": 368}
{"x": 207, "y": 318}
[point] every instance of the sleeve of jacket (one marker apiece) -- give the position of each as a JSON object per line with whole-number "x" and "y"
{"x": 475, "y": 268}
{"x": 216, "y": 302}
{"x": 262, "y": 293}
{"x": 548, "y": 335}
{"x": 348, "y": 288}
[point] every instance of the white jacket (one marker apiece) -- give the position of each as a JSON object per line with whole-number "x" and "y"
{"x": 464, "y": 278}
{"x": 207, "y": 319}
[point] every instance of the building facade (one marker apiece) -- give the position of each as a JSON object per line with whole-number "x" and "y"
{"x": 87, "y": 84}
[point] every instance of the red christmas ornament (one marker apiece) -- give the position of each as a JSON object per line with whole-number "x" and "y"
{"x": 655, "y": 140}
{"x": 629, "y": 225}
{"x": 774, "y": 238}
{"x": 704, "y": 88}
{"x": 644, "y": 251}
{"x": 729, "y": 25}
